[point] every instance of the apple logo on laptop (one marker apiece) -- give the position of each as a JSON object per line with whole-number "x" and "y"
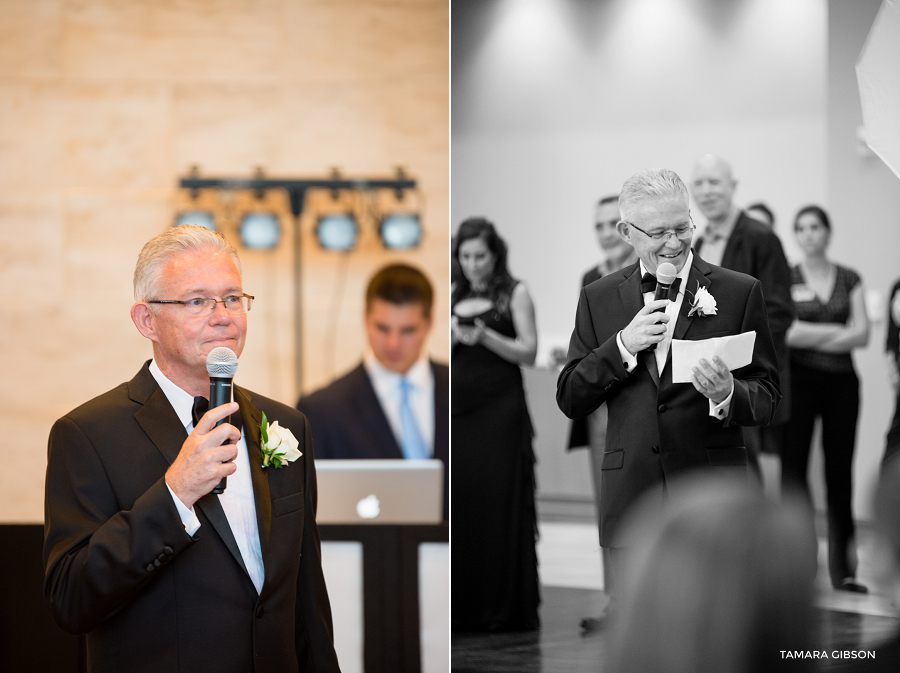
{"x": 368, "y": 507}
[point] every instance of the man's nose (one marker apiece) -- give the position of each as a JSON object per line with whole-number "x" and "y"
{"x": 220, "y": 314}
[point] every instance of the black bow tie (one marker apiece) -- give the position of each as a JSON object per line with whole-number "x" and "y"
{"x": 201, "y": 406}
{"x": 648, "y": 284}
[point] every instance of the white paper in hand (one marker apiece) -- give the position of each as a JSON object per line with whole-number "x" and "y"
{"x": 735, "y": 351}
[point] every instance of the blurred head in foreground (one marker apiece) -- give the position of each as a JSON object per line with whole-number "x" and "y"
{"x": 719, "y": 581}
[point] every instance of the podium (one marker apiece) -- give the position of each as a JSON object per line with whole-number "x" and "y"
{"x": 401, "y": 569}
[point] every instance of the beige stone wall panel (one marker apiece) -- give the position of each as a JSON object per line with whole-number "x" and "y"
{"x": 105, "y": 104}
{"x": 31, "y": 38}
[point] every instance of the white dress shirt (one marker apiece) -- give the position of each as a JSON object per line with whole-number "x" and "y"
{"x": 237, "y": 500}
{"x": 421, "y": 395}
{"x": 662, "y": 348}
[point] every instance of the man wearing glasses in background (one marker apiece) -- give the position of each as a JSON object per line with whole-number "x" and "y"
{"x": 619, "y": 355}
{"x": 161, "y": 573}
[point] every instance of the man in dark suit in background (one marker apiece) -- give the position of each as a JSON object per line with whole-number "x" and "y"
{"x": 619, "y": 355}
{"x": 395, "y": 404}
{"x": 737, "y": 242}
{"x": 140, "y": 555}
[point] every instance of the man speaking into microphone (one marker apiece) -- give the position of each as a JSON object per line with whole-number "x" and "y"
{"x": 619, "y": 355}
{"x": 161, "y": 572}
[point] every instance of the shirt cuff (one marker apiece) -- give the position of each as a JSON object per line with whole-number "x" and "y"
{"x": 188, "y": 518}
{"x": 629, "y": 361}
{"x": 720, "y": 410}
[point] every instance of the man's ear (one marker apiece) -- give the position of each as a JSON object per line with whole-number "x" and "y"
{"x": 624, "y": 231}
{"x": 143, "y": 318}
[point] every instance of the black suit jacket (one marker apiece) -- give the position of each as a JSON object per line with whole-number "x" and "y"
{"x": 347, "y": 420}
{"x": 120, "y": 567}
{"x": 754, "y": 249}
{"x": 658, "y": 429}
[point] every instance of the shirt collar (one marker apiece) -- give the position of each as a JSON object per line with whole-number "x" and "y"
{"x": 723, "y": 231}
{"x": 683, "y": 274}
{"x": 181, "y": 401}
{"x": 386, "y": 381}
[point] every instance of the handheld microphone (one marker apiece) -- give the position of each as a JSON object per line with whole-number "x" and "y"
{"x": 665, "y": 276}
{"x": 221, "y": 365}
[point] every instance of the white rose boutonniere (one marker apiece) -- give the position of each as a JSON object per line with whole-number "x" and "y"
{"x": 704, "y": 303}
{"x": 277, "y": 445}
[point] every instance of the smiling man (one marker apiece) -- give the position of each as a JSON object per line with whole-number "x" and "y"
{"x": 397, "y": 398}
{"x": 736, "y": 241}
{"x": 159, "y": 572}
{"x": 619, "y": 356}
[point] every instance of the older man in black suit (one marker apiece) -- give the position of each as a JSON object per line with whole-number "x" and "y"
{"x": 619, "y": 355}
{"x": 736, "y": 241}
{"x": 397, "y": 397}
{"x": 140, "y": 555}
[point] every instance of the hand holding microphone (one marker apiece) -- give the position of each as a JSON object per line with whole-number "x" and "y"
{"x": 205, "y": 458}
{"x": 648, "y": 327}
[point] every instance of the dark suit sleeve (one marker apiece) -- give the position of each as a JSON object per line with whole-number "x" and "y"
{"x": 318, "y": 425}
{"x": 96, "y": 557}
{"x": 756, "y": 386}
{"x": 774, "y": 273}
{"x": 593, "y": 371}
{"x": 314, "y": 630}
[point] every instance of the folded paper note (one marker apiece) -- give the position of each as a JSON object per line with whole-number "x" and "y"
{"x": 735, "y": 351}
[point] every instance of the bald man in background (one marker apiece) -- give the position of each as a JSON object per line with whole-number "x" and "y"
{"x": 735, "y": 241}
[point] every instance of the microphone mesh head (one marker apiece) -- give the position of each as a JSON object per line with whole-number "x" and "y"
{"x": 665, "y": 274}
{"x": 221, "y": 363}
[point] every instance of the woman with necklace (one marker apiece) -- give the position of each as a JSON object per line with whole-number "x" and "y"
{"x": 493, "y": 521}
{"x": 831, "y": 323}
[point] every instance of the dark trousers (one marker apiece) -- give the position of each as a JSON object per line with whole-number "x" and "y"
{"x": 835, "y": 399}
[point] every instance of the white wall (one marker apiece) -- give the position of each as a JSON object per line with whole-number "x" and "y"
{"x": 864, "y": 199}
{"x": 555, "y": 103}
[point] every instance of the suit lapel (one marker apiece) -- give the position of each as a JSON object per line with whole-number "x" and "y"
{"x": 441, "y": 418}
{"x": 696, "y": 278}
{"x": 158, "y": 419}
{"x": 252, "y": 417}
{"x": 633, "y": 300}
{"x": 734, "y": 243}
{"x": 373, "y": 416}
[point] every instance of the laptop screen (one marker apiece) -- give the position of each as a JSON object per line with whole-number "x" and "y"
{"x": 380, "y": 491}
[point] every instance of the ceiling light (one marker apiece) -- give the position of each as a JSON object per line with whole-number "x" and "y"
{"x": 201, "y": 218}
{"x": 400, "y": 230}
{"x": 337, "y": 231}
{"x": 260, "y": 230}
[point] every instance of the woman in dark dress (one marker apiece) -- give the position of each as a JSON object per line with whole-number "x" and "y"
{"x": 831, "y": 322}
{"x": 493, "y": 521}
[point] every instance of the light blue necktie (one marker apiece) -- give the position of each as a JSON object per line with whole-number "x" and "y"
{"x": 411, "y": 441}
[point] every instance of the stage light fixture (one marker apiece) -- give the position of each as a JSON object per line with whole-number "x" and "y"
{"x": 260, "y": 230}
{"x": 202, "y": 218}
{"x": 400, "y": 230}
{"x": 337, "y": 231}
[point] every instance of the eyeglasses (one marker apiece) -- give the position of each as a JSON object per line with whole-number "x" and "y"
{"x": 204, "y": 305}
{"x": 683, "y": 232}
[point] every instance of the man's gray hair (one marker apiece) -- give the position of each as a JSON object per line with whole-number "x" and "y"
{"x": 648, "y": 184}
{"x": 177, "y": 240}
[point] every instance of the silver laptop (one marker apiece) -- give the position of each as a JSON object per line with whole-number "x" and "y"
{"x": 380, "y": 491}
